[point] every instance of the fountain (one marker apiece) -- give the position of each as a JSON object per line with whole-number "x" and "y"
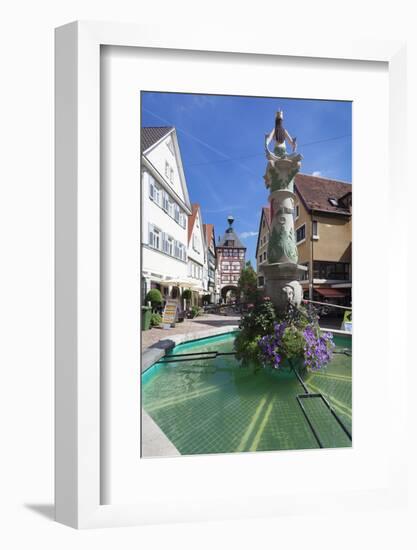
{"x": 282, "y": 271}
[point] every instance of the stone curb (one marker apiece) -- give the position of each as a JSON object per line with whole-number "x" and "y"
{"x": 152, "y": 354}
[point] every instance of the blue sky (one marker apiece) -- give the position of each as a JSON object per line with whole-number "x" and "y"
{"x": 222, "y": 147}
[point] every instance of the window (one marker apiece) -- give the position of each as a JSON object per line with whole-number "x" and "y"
{"x": 154, "y": 190}
{"x": 264, "y": 256}
{"x": 169, "y": 245}
{"x": 177, "y": 252}
{"x": 331, "y": 270}
{"x": 315, "y": 230}
{"x": 301, "y": 233}
{"x": 167, "y": 170}
{"x": 305, "y": 276}
{"x": 171, "y": 208}
{"x": 297, "y": 211}
{"x": 165, "y": 201}
{"x": 196, "y": 243}
{"x": 334, "y": 202}
{"x": 260, "y": 258}
{"x": 177, "y": 213}
{"x": 161, "y": 198}
{"x": 155, "y": 237}
{"x": 261, "y": 280}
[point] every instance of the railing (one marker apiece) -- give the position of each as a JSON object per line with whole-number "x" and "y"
{"x": 327, "y": 304}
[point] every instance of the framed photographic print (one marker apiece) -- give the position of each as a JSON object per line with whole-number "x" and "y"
{"x": 215, "y": 225}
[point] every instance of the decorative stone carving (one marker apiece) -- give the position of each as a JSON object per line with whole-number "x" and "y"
{"x": 294, "y": 293}
{"x": 282, "y": 270}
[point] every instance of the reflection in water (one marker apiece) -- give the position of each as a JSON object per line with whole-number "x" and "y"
{"x": 217, "y": 406}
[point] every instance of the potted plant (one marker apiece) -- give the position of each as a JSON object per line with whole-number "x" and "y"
{"x": 155, "y": 297}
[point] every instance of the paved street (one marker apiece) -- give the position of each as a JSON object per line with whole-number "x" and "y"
{"x": 201, "y": 323}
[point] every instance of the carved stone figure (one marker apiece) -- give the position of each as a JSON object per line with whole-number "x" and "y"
{"x": 282, "y": 269}
{"x": 279, "y": 134}
{"x": 281, "y": 167}
{"x": 282, "y": 246}
{"x": 294, "y": 292}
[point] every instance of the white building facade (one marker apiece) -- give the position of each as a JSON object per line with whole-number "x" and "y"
{"x": 165, "y": 210}
{"x": 197, "y": 255}
{"x": 213, "y": 284}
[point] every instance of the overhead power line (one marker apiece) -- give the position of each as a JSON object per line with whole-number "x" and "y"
{"x": 263, "y": 154}
{"x": 227, "y": 158}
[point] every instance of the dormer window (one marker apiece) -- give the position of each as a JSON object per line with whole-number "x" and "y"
{"x": 334, "y": 202}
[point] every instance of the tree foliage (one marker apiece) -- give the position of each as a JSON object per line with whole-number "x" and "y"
{"x": 155, "y": 297}
{"x": 247, "y": 284}
{"x": 186, "y": 294}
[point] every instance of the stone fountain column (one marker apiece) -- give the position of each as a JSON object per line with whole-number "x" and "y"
{"x": 282, "y": 272}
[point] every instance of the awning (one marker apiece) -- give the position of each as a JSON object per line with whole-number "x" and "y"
{"x": 180, "y": 282}
{"x": 330, "y": 292}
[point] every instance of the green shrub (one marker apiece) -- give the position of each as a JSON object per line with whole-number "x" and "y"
{"x": 247, "y": 349}
{"x": 268, "y": 339}
{"x": 156, "y": 320}
{"x": 186, "y": 294}
{"x": 195, "y": 311}
{"x": 155, "y": 297}
{"x": 292, "y": 342}
{"x": 247, "y": 284}
{"x": 260, "y": 320}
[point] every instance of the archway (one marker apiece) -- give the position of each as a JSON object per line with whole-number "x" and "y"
{"x": 229, "y": 294}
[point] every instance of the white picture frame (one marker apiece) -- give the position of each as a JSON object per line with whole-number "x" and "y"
{"x": 78, "y": 258}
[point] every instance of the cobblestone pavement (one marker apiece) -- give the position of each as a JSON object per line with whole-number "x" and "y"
{"x": 203, "y": 322}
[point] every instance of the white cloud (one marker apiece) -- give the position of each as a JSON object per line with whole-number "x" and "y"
{"x": 247, "y": 234}
{"x": 316, "y": 173}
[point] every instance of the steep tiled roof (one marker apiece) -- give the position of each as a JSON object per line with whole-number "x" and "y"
{"x": 266, "y": 211}
{"x": 191, "y": 219}
{"x": 149, "y": 135}
{"x": 316, "y": 191}
{"x": 230, "y": 234}
{"x": 208, "y": 230}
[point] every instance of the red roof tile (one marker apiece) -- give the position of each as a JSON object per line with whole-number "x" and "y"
{"x": 316, "y": 191}
{"x": 208, "y": 229}
{"x": 191, "y": 219}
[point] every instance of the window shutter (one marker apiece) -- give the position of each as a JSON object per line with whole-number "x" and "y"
{"x": 150, "y": 240}
{"x": 151, "y": 187}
